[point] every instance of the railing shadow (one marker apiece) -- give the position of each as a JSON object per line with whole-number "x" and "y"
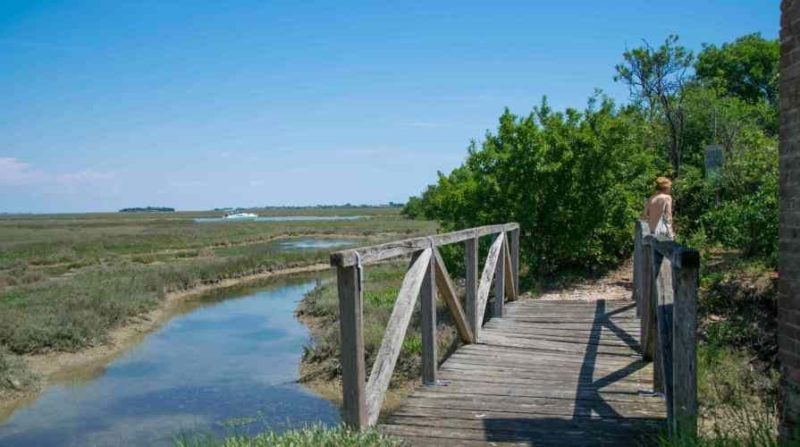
{"x": 594, "y": 421}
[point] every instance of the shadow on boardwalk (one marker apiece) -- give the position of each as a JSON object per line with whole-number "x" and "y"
{"x": 555, "y": 373}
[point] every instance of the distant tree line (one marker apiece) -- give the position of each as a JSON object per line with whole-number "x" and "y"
{"x": 576, "y": 179}
{"x": 148, "y": 209}
{"x": 298, "y": 207}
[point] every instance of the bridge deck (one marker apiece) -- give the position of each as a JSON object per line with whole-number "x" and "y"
{"x": 548, "y": 373}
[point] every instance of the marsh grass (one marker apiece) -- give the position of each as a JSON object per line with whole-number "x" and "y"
{"x": 309, "y": 436}
{"x": 67, "y": 280}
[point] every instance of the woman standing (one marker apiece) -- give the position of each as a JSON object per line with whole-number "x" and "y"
{"x": 658, "y": 209}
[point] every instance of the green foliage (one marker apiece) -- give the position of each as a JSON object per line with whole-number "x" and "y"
{"x": 574, "y": 180}
{"x": 311, "y": 436}
{"x": 656, "y": 78}
{"x": 746, "y": 68}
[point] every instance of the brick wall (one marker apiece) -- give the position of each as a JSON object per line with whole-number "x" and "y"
{"x": 789, "y": 262}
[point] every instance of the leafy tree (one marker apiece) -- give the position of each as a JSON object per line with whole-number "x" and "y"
{"x": 656, "y": 77}
{"x": 746, "y": 68}
{"x": 574, "y": 180}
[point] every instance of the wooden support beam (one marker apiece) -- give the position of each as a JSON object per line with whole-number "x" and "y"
{"x": 513, "y": 244}
{"x": 447, "y": 291}
{"x": 511, "y": 283}
{"x": 395, "y": 333}
{"x": 354, "y": 396}
{"x": 471, "y": 285}
{"x": 485, "y": 284}
{"x": 684, "y": 338}
{"x": 500, "y": 279}
{"x": 428, "y": 323}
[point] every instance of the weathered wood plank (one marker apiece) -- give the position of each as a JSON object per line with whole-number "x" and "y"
{"x": 354, "y": 400}
{"x": 500, "y": 279}
{"x": 684, "y": 363}
{"x": 394, "y": 249}
{"x": 514, "y": 255}
{"x": 485, "y": 284}
{"x": 428, "y": 323}
{"x": 471, "y": 285}
{"x": 665, "y": 299}
{"x": 448, "y": 293}
{"x": 530, "y": 373}
{"x": 395, "y": 332}
{"x": 508, "y": 269}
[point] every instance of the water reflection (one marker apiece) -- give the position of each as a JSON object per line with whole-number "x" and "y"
{"x": 227, "y": 359}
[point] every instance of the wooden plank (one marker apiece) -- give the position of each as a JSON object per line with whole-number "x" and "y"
{"x": 508, "y": 269}
{"x": 663, "y": 358}
{"x": 684, "y": 355}
{"x": 528, "y": 382}
{"x": 448, "y": 293}
{"x": 395, "y": 333}
{"x": 500, "y": 279}
{"x": 354, "y": 400}
{"x": 471, "y": 285}
{"x": 648, "y": 331}
{"x": 485, "y": 284}
{"x": 393, "y": 249}
{"x": 513, "y": 244}
{"x": 532, "y": 405}
{"x": 637, "y": 267}
{"x": 428, "y": 323}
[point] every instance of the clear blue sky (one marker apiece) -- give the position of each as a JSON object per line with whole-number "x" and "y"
{"x": 198, "y": 105}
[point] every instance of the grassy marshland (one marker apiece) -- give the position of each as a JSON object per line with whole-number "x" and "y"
{"x": 67, "y": 280}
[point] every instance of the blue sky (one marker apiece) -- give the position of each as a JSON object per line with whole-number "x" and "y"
{"x": 198, "y": 105}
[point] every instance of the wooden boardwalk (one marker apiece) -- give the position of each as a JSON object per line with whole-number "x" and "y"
{"x": 553, "y": 373}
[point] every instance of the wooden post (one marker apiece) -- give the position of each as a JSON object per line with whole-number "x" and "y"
{"x": 648, "y": 333}
{"x": 354, "y": 403}
{"x": 513, "y": 245}
{"x": 686, "y": 272}
{"x": 637, "y": 268}
{"x": 500, "y": 281}
{"x": 471, "y": 285}
{"x": 664, "y": 309}
{"x": 428, "y": 324}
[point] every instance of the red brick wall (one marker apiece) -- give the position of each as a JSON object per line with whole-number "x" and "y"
{"x": 789, "y": 261}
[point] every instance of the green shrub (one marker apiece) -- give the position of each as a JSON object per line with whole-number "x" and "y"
{"x": 575, "y": 181}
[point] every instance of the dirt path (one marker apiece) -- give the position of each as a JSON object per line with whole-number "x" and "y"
{"x": 617, "y": 285}
{"x": 87, "y": 363}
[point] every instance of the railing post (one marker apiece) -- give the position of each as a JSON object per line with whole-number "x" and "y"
{"x": 664, "y": 292}
{"x": 686, "y": 272}
{"x": 500, "y": 281}
{"x": 354, "y": 403}
{"x": 428, "y": 323}
{"x": 471, "y": 285}
{"x": 637, "y": 268}
{"x": 648, "y": 325}
{"x": 513, "y": 245}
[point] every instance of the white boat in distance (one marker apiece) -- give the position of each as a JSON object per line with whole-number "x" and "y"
{"x": 239, "y": 215}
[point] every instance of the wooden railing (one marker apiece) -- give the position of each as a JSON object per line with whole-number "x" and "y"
{"x": 665, "y": 281}
{"x": 426, "y": 275}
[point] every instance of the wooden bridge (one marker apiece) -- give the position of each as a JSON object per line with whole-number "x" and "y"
{"x": 529, "y": 372}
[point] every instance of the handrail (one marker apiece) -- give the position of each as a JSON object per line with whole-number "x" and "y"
{"x": 362, "y": 399}
{"x": 665, "y": 283}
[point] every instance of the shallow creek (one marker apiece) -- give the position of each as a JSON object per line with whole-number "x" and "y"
{"x": 226, "y": 364}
